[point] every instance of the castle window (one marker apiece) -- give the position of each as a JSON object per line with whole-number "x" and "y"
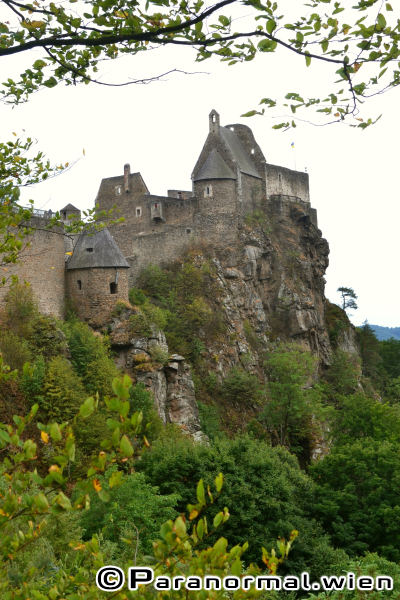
{"x": 138, "y": 212}
{"x": 155, "y": 206}
{"x": 113, "y": 287}
{"x": 213, "y": 118}
{"x": 89, "y": 249}
{"x": 208, "y": 191}
{"x": 79, "y": 282}
{"x": 252, "y": 150}
{"x": 179, "y": 195}
{"x": 65, "y": 214}
{"x": 188, "y": 231}
{"x": 279, "y": 177}
{"x": 118, "y": 190}
{"x": 232, "y": 128}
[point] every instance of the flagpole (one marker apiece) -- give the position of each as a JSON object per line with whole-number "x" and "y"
{"x": 294, "y": 155}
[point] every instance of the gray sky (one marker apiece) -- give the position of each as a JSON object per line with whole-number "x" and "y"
{"x": 160, "y": 130}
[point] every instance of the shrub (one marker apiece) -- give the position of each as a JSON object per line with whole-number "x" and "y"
{"x": 63, "y": 391}
{"x": 21, "y": 309}
{"x": 159, "y": 356}
{"x": 154, "y": 281}
{"x": 15, "y": 350}
{"x": 90, "y": 357}
{"x": 32, "y": 385}
{"x": 136, "y": 297}
{"x": 240, "y": 386}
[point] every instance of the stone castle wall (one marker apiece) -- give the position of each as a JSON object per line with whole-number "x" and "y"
{"x": 280, "y": 180}
{"x": 90, "y": 293}
{"x": 42, "y": 267}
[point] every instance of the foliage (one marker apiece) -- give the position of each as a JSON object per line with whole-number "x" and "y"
{"x": 336, "y": 321}
{"x": 241, "y": 387}
{"x": 369, "y": 349}
{"x": 135, "y": 511}
{"x": 27, "y": 498}
{"x": 371, "y": 565}
{"x": 292, "y": 397}
{"x": 389, "y": 351}
{"x": 73, "y": 45}
{"x": 32, "y": 383}
{"x": 357, "y": 497}
{"x": 16, "y": 351}
{"x": 343, "y": 373}
{"x": 90, "y": 357}
{"x": 209, "y": 420}
{"x": 141, "y": 400}
{"x": 21, "y": 309}
{"x": 349, "y": 298}
{"x": 181, "y": 303}
{"x": 136, "y": 297}
{"x": 361, "y": 417}
{"x": 265, "y": 489}
{"x": 62, "y": 392}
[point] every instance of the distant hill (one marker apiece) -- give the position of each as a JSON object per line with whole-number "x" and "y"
{"x": 384, "y": 333}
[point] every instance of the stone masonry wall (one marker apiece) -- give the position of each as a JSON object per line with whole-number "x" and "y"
{"x": 223, "y": 198}
{"x": 43, "y": 268}
{"x": 92, "y": 297}
{"x": 252, "y": 193}
{"x": 291, "y": 183}
{"x": 107, "y": 195}
{"x": 254, "y": 151}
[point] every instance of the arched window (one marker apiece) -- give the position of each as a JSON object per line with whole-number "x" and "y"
{"x": 214, "y": 119}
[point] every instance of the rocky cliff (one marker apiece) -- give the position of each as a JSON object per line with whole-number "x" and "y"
{"x": 267, "y": 287}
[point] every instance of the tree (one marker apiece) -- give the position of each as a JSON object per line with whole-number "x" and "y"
{"x": 74, "y": 44}
{"x": 348, "y": 298}
{"x": 369, "y": 349}
{"x": 292, "y": 400}
{"x": 357, "y": 497}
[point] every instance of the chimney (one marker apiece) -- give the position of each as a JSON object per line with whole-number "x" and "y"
{"x": 127, "y": 174}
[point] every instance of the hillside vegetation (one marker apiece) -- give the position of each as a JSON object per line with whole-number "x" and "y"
{"x": 90, "y": 476}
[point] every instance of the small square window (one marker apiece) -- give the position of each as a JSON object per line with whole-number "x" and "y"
{"x": 252, "y": 150}
{"x": 89, "y": 249}
{"x": 188, "y": 231}
{"x": 138, "y": 212}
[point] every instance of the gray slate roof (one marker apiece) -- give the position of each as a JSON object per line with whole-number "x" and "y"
{"x": 235, "y": 146}
{"x": 215, "y": 168}
{"x": 105, "y": 252}
{"x": 69, "y": 207}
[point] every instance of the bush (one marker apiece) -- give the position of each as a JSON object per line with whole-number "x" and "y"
{"x": 209, "y": 420}
{"x": 62, "y": 391}
{"x": 135, "y": 509}
{"x": 266, "y": 492}
{"x": 154, "y": 281}
{"x": 142, "y": 400}
{"x": 240, "y": 386}
{"x": 136, "y": 297}
{"x": 357, "y": 497}
{"x": 21, "y": 309}
{"x": 15, "y": 350}
{"x": 32, "y": 385}
{"x": 90, "y": 357}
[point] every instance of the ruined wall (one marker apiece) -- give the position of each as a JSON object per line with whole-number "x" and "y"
{"x": 42, "y": 267}
{"x": 112, "y": 191}
{"x": 253, "y": 150}
{"x": 90, "y": 293}
{"x": 290, "y": 183}
{"x": 180, "y": 194}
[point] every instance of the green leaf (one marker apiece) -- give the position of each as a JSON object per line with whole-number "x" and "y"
{"x": 270, "y": 26}
{"x": 4, "y": 435}
{"x": 218, "y": 519}
{"x": 388, "y": 6}
{"x": 308, "y": 60}
{"x": 103, "y": 496}
{"x": 55, "y": 432}
{"x": 87, "y": 408}
{"x": 237, "y": 567}
{"x": 41, "y": 502}
{"x": 224, "y": 20}
{"x": 125, "y": 446}
{"x": 115, "y": 479}
{"x": 219, "y": 480}
{"x": 200, "y": 492}
{"x": 381, "y": 21}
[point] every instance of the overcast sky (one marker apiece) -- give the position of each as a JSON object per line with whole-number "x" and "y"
{"x": 160, "y": 130}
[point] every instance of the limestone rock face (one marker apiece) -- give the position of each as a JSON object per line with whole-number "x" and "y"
{"x": 171, "y": 384}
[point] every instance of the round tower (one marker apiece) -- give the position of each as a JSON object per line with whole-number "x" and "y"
{"x": 97, "y": 277}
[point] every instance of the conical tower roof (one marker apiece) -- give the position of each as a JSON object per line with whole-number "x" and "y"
{"x": 215, "y": 168}
{"x": 96, "y": 250}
